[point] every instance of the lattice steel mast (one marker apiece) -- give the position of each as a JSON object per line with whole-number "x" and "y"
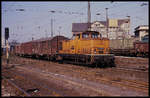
{"x": 89, "y": 16}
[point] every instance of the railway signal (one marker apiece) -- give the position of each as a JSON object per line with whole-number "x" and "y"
{"x": 6, "y": 33}
{"x": 7, "y": 45}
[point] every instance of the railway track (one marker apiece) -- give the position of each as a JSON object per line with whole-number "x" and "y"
{"x": 74, "y": 82}
{"x": 70, "y": 81}
{"x": 142, "y": 70}
{"x": 132, "y": 84}
{"x": 118, "y": 67}
{"x": 140, "y": 86}
{"x": 32, "y": 87}
{"x": 58, "y": 76}
{"x": 130, "y": 57}
{"x": 18, "y": 90}
{"x": 101, "y": 92}
{"x": 132, "y": 62}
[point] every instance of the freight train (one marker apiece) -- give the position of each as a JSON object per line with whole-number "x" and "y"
{"x": 87, "y": 48}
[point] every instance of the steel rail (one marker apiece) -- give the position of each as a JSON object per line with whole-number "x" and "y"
{"x": 131, "y": 69}
{"x": 104, "y": 80}
{"x": 60, "y": 77}
{"x": 139, "y": 86}
{"x": 17, "y": 87}
{"x": 119, "y": 83}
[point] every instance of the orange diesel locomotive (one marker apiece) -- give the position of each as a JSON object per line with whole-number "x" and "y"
{"x": 87, "y": 48}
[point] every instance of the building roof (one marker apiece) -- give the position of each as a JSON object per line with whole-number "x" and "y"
{"x": 102, "y": 22}
{"x": 79, "y": 27}
{"x": 142, "y": 27}
{"x": 120, "y": 21}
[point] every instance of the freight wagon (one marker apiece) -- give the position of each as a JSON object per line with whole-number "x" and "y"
{"x": 141, "y": 49}
{"x": 130, "y": 47}
{"x": 41, "y": 48}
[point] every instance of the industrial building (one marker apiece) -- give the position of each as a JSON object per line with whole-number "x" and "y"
{"x": 141, "y": 31}
{"x": 117, "y": 28}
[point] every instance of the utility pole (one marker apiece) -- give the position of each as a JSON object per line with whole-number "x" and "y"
{"x": 52, "y": 24}
{"x": 106, "y": 22}
{"x": 51, "y": 33}
{"x": 89, "y": 17}
{"x": 58, "y": 39}
{"x": 51, "y": 27}
{"x": 32, "y": 37}
{"x": 59, "y": 30}
{"x": 46, "y": 33}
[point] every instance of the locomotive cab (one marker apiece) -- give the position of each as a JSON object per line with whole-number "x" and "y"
{"x": 87, "y": 35}
{"x": 89, "y": 42}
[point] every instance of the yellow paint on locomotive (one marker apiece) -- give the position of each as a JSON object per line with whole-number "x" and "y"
{"x": 88, "y": 42}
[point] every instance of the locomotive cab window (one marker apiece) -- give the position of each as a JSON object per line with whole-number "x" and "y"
{"x": 94, "y": 35}
{"x": 78, "y": 36}
{"x": 73, "y": 37}
{"x": 85, "y": 35}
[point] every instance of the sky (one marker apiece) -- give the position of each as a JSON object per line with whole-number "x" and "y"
{"x": 33, "y": 19}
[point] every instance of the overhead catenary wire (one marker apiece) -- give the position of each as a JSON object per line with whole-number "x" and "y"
{"x": 41, "y": 26}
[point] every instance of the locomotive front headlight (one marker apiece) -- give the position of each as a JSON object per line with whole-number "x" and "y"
{"x": 92, "y": 50}
{"x": 95, "y": 51}
{"x": 100, "y": 50}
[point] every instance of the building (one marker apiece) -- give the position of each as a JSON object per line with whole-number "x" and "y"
{"x": 141, "y": 31}
{"x": 99, "y": 26}
{"x": 79, "y": 27}
{"x": 117, "y": 28}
